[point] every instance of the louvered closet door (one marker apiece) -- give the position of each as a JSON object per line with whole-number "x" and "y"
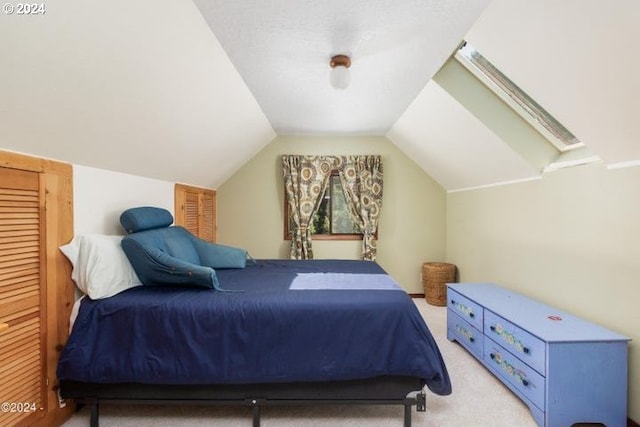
{"x": 207, "y": 217}
{"x": 191, "y": 213}
{"x": 195, "y": 210}
{"x": 21, "y": 293}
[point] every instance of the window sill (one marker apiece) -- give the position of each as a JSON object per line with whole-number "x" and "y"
{"x": 336, "y": 236}
{"x": 333, "y": 237}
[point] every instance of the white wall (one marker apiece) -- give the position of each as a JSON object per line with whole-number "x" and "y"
{"x": 138, "y": 87}
{"x": 100, "y": 196}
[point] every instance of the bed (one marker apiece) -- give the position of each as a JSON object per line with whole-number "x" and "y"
{"x": 170, "y": 318}
{"x": 278, "y": 332}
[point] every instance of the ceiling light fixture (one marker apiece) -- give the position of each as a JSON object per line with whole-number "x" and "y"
{"x": 340, "y": 77}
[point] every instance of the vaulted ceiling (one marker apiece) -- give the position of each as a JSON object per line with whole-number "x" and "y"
{"x": 282, "y": 49}
{"x": 189, "y": 90}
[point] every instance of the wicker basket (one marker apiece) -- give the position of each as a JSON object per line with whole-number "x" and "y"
{"x": 435, "y": 276}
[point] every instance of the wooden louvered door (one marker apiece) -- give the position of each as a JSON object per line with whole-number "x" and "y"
{"x": 191, "y": 213}
{"x": 22, "y": 298}
{"x": 195, "y": 210}
{"x": 206, "y": 227}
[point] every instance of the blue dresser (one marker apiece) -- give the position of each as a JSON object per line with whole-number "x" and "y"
{"x": 566, "y": 370}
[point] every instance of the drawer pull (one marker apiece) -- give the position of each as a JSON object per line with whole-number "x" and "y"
{"x": 509, "y": 369}
{"x": 463, "y": 308}
{"x": 465, "y": 333}
{"x": 510, "y": 338}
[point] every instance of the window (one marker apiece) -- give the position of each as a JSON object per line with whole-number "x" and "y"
{"x": 332, "y": 220}
{"x": 517, "y": 99}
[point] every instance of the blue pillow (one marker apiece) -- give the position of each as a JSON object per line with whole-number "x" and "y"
{"x": 220, "y": 256}
{"x": 145, "y": 218}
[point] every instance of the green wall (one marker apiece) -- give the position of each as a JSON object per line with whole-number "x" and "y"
{"x": 412, "y": 221}
{"x": 570, "y": 239}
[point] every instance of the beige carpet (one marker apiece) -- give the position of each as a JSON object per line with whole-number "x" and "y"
{"x": 478, "y": 400}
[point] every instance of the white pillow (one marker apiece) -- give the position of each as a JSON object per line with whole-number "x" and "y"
{"x": 100, "y": 267}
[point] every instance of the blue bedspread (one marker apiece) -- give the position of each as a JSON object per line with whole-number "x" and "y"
{"x": 293, "y": 321}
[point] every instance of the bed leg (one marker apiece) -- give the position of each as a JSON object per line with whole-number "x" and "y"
{"x": 421, "y": 406}
{"x": 94, "y": 413}
{"x": 421, "y": 402}
{"x": 407, "y": 415}
{"x": 256, "y": 413}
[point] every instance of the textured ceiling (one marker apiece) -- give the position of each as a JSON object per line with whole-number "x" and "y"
{"x": 189, "y": 91}
{"x": 282, "y": 50}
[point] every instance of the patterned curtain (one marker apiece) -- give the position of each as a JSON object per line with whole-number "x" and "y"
{"x": 306, "y": 179}
{"x": 361, "y": 178}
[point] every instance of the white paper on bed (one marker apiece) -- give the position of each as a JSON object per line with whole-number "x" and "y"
{"x": 345, "y": 281}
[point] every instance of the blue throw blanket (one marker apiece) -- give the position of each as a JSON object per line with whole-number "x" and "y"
{"x": 295, "y": 321}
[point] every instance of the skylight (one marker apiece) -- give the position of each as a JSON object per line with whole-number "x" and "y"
{"x": 517, "y": 99}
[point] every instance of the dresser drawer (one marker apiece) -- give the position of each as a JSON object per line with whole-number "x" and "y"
{"x": 465, "y": 334}
{"x": 519, "y": 342}
{"x": 465, "y": 308}
{"x": 526, "y": 380}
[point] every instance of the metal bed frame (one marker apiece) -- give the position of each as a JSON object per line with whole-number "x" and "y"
{"x": 387, "y": 390}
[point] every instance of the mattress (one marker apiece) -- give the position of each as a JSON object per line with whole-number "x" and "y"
{"x": 278, "y": 321}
